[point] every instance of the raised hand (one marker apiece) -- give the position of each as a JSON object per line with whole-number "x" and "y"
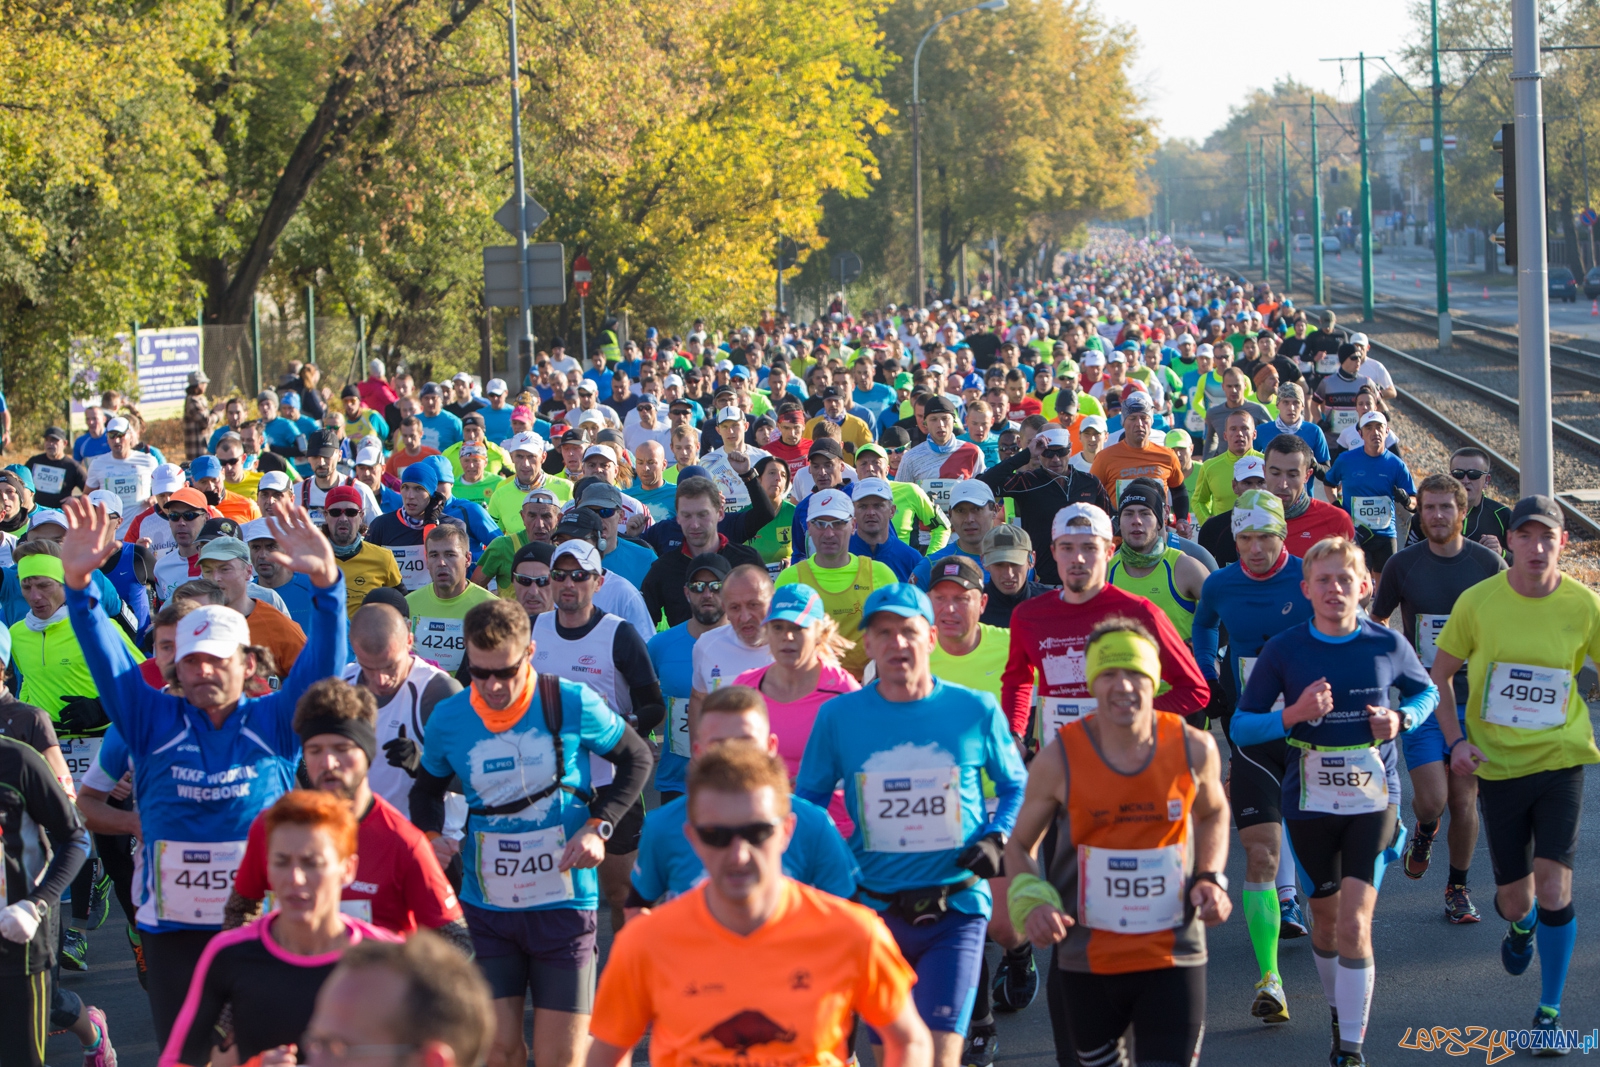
{"x": 301, "y": 546}
{"x": 90, "y": 535}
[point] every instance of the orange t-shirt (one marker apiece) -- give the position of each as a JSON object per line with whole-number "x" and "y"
{"x": 1117, "y": 465}
{"x": 241, "y": 509}
{"x": 402, "y": 459}
{"x": 280, "y": 634}
{"x": 783, "y": 995}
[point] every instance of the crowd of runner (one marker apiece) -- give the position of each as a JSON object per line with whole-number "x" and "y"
{"x": 819, "y": 655}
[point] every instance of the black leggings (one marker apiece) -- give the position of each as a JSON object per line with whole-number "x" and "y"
{"x": 1331, "y": 848}
{"x": 172, "y": 959}
{"x": 24, "y": 1019}
{"x": 1166, "y": 1009}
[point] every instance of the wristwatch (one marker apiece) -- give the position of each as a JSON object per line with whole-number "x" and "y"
{"x": 601, "y": 827}
{"x": 1216, "y": 878}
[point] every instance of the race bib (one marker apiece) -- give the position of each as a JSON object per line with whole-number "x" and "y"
{"x": 413, "y": 563}
{"x": 430, "y": 438}
{"x": 1055, "y": 712}
{"x": 193, "y": 879}
{"x": 910, "y": 811}
{"x": 1327, "y": 362}
{"x": 1246, "y": 665}
{"x": 522, "y": 870}
{"x": 1131, "y": 890}
{"x": 1527, "y": 697}
{"x": 1429, "y": 627}
{"x": 938, "y": 490}
{"x": 80, "y": 754}
{"x": 678, "y": 726}
{"x": 360, "y": 909}
{"x": 442, "y": 640}
{"x": 126, "y": 487}
{"x": 317, "y": 517}
{"x": 48, "y": 479}
{"x": 1194, "y": 422}
{"x": 1344, "y": 418}
{"x": 1346, "y": 782}
{"x": 1374, "y": 512}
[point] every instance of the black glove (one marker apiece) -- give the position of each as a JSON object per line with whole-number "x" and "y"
{"x": 80, "y": 716}
{"x": 985, "y": 856}
{"x": 404, "y": 753}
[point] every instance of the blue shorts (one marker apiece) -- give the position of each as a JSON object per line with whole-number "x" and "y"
{"x": 1425, "y": 744}
{"x": 947, "y": 956}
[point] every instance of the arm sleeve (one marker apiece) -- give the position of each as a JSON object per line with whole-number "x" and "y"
{"x": 49, "y": 806}
{"x": 760, "y": 512}
{"x": 440, "y": 688}
{"x": 1000, "y": 477}
{"x": 1205, "y": 634}
{"x": 650, "y": 589}
{"x": 634, "y": 764}
{"x": 1200, "y": 499}
{"x": 1387, "y": 598}
{"x": 427, "y": 799}
{"x": 797, "y": 533}
{"x": 324, "y": 654}
{"x": 1180, "y": 500}
{"x": 1016, "y": 682}
{"x": 632, "y": 659}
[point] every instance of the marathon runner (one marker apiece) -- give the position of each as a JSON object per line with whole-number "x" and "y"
{"x": 912, "y": 746}
{"x": 703, "y": 518}
{"x": 124, "y": 470}
{"x": 1289, "y": 462}
{"x": 1216, "y": 534}
{"x": 1138, "y": 455}
{"x": 519, "y": 742}
{"x": 402, "y": 531}
{"x": 197, "y": 798}
{"x": 1423, "y": 582}
{"x": 527, "y": 455}
{"x": 1009, "y": 559}
{"x": 1124, "y": 901}
{"x": 1341, "y": 788}
{"x": 539, "y": 516}
{"x": 917, "y": 522}
{"x": 875, "y": 536}
{"x": 1523, "y": 636}
{"x": 1146, "y": 565}
{"x": 1291, "y": 401}
{"x": 366, "y": 566}
{"x": 1213, "y": 493}
{"x": 1486, "y": 519}
{"x": 973, "y": 513}
{"x": 844, "y": 580}
{"x": 942, "y": 461}
{"x": 1371, "y": 480}
{"x": 693, "y": 973}
{"x": 1255, "y": 598}
{"x": 672, "y": 655}
{"x": 437, "y": 609}
{"x": 1038, "y": 492}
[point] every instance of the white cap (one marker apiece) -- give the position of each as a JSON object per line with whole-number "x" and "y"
{"x": 873, "y": 487}
{"x": 214, "y": 629}
{"x": 971, "y": 492}
{"x": 273, "y": 482}
{"x": 369, "y": 457}
{"x": 1094, "y": 359}
{"x": 255, "y": 530}
{"x": 542, "y": 495}
{"x": 106, "y": 499}
{"x": 591, "y": 416}
{"x": 1372, "y": 416}
{"x": 729, "y": 414}
{"x": 526, "y": 442}
{"x": 1093, "y": 422}
{"x": 587, "y": 385}
{"x": 496, "y": 387}
{"x": 44, "y": 516}
{"x": 117, "y": 425}
{"x": 1117, "y": 356}
{"x": 832, "y": 504}
{"x": 1056, "y": 437}
{"x": 586, "y": 555}
{"x": 1249, "y": 467}
{"x": 167, "y": 478}
{"x": 1099, "y": 521}
{"x": 1359, "y": 339}
{"x": 601, "y": 450}
{"x": 671, "y": 380}
{"x": 725, "y": 364}
{"x": 1204, "y": 350}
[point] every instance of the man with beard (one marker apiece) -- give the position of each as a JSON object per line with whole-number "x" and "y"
{"x": 401, "y": 531}
{"x": 1038, "y": 493}
{"x": 322, "y": 451}
{"x": 438, "y": 607}
{"x": 399, "y": 885}
{"x": 366, "y": 566}
{"x": 56, "y": 475}
{"x": 1146, "y": 565}
{"x": 205, "y": 473}
{"x": 672, "y": 654}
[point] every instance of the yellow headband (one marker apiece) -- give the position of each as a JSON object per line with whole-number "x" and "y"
{"x": 41, "y": 566}
{"x": 1123, "y": 650}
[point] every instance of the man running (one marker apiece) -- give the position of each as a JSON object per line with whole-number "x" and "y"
{"x": 1288, "y": 462}
{"x": 1341, "y": 788}
{"x": 942, "y": 461}
{"x": 1125, "y": 899}
{"x": 1138, "y": 455}
{"x": 527, "y": 455}
{"x": 1146, "y": 565}
{"x": 1423, "y": 582}
{"x": 1371, "y": 480}
{"x": 1523, "y": 636}
{"x": 1039, "y": 492}
{"x": 1486, "y": 519}
{"x": 911, "y": 747}
{"x": 692, "y": 974}
{"x": 672, "y": 654}
{"x": 844, "y": 579}
{"x": 1009, "y": 559}
{"x": 437, "y": 609}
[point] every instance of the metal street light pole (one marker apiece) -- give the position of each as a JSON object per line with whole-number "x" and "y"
{"x": 1261, "y": 185}
{"x": 1533, "y": 295}
{"x": 917, "y": 290}
{"x": 1316, "y": 211}
{"x": 525, "y": 344}
{"x": 1249, "y": 205}
{"x": 1283, "y": 185}
{"x": 1368, "y": 313}
{"x": 1441, "y": 266}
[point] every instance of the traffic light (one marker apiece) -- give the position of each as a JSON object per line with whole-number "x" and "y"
{"x": 1505, "y": 190}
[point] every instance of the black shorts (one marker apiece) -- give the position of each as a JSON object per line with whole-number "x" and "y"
{"x": 1165, "y": 1007}
{"x": 1255, "y": 782}
{"x": 1331, "y": 848}
{"x": 550, "y": 952}
{"x": 625, "y": 834}
{"x": 1535, "y": 816}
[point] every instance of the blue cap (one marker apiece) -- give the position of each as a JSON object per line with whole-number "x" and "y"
{"x": 442, "y": 465}
{"x": 797, "y": 603}
{"x": 292, "y": 399}
{"x": 972, "y": 381}
{"x": 204, "y": 467}
{"x": 424, "y": 474}
{"x": 741, "y": 372}
{"x": 24, "y": 475}
{"x": 906, "y": 601}
{"x": 693, "y": 470}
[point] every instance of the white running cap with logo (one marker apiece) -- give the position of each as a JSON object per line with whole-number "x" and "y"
{"x": 215, "y": 629}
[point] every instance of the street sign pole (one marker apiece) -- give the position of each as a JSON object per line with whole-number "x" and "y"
{"x": 525, "y": 355}
{"x": 581, "y": 277}
{"x": 1537, "y": 455}
{"x": 1261, "y": 184}
{"x": 1441, "y": 231}
{"x": 1367, "y": 310}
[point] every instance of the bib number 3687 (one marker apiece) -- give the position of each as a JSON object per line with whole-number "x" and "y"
{"x": 1344, "y": 782}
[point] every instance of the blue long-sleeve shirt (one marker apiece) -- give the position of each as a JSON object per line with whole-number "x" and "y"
{"x": 1254, "y": 610}
{"x": 893, "y": 553}
{"x": 481, "y": 529}
{"x": 1367, "y": 485}
{"x": 200, "y": 786}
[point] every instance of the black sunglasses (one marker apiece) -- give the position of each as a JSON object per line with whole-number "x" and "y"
{"x": 181, "y": 516}
{"x": 342, "y": 513}
{"x": 755, "y": 833}
{"x": 577, "y": 574}
{"x": 1468, "y": 476}
{"x": 234, "y": 462}
{"x": 541, "y": 580}
{"x": 505, "y": 674}
{"x": 701, "y": 587}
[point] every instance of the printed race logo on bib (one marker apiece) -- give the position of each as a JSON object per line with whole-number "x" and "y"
{"x": 413, "y": 563}
{"x": 1343, "y": 420}
{"x": 1527, "y": 697}
{"x": 1131, "y": 890}
{"x": 910, "y": 811}
{"x": 442, "y": 640}
{"x": 938, "y": 489}
{"x": 1054, "y": 713}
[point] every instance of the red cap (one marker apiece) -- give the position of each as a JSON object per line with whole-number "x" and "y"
{"x": 343, "y": 494}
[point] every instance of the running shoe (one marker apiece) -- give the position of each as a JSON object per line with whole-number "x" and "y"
{"x": 75, "y": 951}
{"x": 1516, "y": 949}
{"x": 137, "y": 945}
{"x": 1016, "y": 981}
{"x": 1271, "y": 1005}
{"x": 1419, "y": 854}
{"x": 981, "y": 1048}
{"x": 1350, "y": 1059}
{"x": 1333, "y": 1050}
{"x": 1547, "y": 1020}
{"x": 1458, "y": 906}
{"x": 100, "y": 901}
{"x": 104, "y": 1055}
{"x": 1291, "y": 920}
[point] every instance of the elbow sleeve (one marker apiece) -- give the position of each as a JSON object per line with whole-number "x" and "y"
{"x": 427, "y": 801}
{"x": 631, "y": 756}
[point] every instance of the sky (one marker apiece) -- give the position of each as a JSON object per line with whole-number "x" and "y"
{"x": 1190, "y": 85}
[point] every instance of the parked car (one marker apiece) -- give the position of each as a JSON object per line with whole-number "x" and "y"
{"x": 1302, "y": 242}
{"x": 1230, "y": 230}
{"x": 1563, "y": 285}
{"x": 1591, "y": 283}
{"x": 1330, "y": 243}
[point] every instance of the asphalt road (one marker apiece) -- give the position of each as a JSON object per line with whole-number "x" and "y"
{"x": 1429, "y": 974}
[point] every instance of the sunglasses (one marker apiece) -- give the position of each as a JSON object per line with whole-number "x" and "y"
{"x": 830, "y": 524}
{"x": 234, "y": 462}
{"x": 755, "y": 833}
{"x": 181, "y": 516}
{"x": 505, "y": 674}
{"x": 342, "y": 513}
{"x": 1468, "y": 476}
{"x": 525, "y": 580}
{"x": 577, "y": 575}
{"x": 703, "y": 587}
{"x": 604, "y": 513}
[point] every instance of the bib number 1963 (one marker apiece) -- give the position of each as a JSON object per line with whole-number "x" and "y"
{"x": 1131, "y": 891}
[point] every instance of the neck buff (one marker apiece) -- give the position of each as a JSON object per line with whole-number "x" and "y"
{"x": 1283, "y": 559}
{"x": 1284, "y": 427}
{"x": 347, "y": 551}
{"x": 1134, "y": 558}
{"x": 499, "y": 720}
{"x": 16, "y": 522}
{"x": 943, "y": 450}
{"x": 1301, "y": 505}
{"x": 39, "y": 626}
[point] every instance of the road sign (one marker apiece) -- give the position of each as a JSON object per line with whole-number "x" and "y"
{"x": 1426, "y": 143}
{"x": 507, "y": 215}
{"x": 581, "y": 274}
{"x": 1589, "y": 218}
{"x": 547, "y": 275}
{"x": 846, "y": 267}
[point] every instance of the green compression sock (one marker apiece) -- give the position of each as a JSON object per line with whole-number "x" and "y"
{"x": 1262, "y": 918}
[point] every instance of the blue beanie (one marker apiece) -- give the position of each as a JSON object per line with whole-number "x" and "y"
{"x": 442, "y": 466}
{"x": 424, "y": 474}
